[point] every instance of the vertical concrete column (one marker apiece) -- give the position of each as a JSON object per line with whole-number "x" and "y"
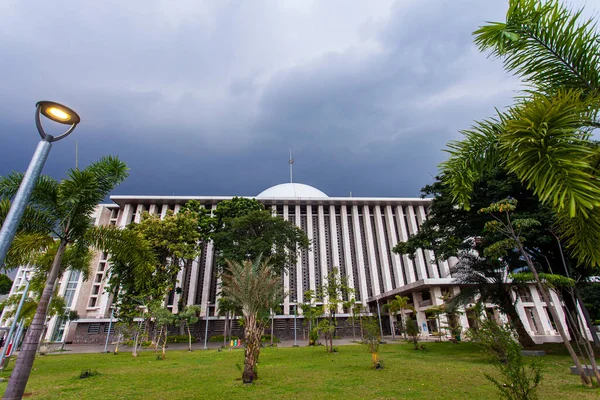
{"x": 299, "y": 282}
{"x": 125, "y": 215}
{"x": 311, "y": 253}
{"x": 335, "y": 251}
{"x": 323, "y": 247}
{"x": 138, "y": 213}
{"x": 193, "y": 288}
{"x": 360, "y": 257}
{"x": 413, "y": 229}
{"x": 383, "y": 250}
{"x": 163, "y": 211}
{"x": 286, "y": 274}
{"x": 396, "y": 262}
{"x": 539, "y": 306}
{"x": 347, "y": 249}
{"x": 408, "y": 262}
{"x": 429, "y": 256}
{"x": 421, "y": 317}
{"x": 371, "y": 251}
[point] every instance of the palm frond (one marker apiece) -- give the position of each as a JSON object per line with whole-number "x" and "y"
{"x": 26, "y": 248}
{"x": 547, "y": 44}
{"x": 43, "y": 195}
{"x": 470, "y": 157}
{"x": 581, "y": 235}
{"x": 544, "y": 143}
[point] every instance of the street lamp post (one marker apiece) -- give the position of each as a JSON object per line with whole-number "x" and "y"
{"x": 206, "y": 330}
{"x": 112, "y": 313}
{"x": 295, "y": 316}
{"x": 57, "y": 113}
{"x": 380, "y": 326}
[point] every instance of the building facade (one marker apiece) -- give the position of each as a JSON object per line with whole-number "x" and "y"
{"x": 355, "y": 235}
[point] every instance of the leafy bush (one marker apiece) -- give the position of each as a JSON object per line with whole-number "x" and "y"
{"x": 86, "y": 373}
{"x": 413, "y": 332}
{"x": 180, "y": 339}
{"x": 220, "y": 338}
{"x": 145, "y": 343}
{"x": 519, "y": 381}
{"x": 267, "y": 338}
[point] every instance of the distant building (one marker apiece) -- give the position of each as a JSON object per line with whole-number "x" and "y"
{"x": 355, "y": 234}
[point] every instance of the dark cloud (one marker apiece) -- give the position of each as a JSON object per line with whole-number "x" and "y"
{"x": 206, "y": 98}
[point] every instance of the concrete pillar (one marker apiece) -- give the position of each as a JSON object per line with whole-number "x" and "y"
{"x": 347, "y": 249}
{"x": 311, "y": 253}
{"x": 413, "y": 229}
{"x": 286, "y": 274}
{"x": 396, "y": 262}
{"x": 299, "y": 282}
{"x": 383, "y": 250}
{"x": 371, "y": 251}
{"x": 360, "y": 257}
{"x": 408, "y": 262}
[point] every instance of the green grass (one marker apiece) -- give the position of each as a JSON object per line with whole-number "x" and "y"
{"x": 446, "y": 371}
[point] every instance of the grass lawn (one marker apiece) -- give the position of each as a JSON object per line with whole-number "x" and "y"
{"x": 445, "y": 371}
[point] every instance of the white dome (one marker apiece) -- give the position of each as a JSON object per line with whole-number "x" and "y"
{"x": 291, "y": 190}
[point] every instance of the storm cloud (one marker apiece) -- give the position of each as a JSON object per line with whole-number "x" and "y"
{"x": 206, "y": 98}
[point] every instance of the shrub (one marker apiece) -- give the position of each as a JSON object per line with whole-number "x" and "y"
{"x": 267, "y": 338}
{"x": 181, "y": 339}
{"x": 86, "y": 373}
{"x": 519, "y": 380}
{"x": 145, "y": 343}
{"x": 220, "y": 338}
{"x": 413, "y": 332}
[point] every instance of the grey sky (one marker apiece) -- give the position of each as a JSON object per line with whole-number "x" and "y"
{"x": 205, "y": 98}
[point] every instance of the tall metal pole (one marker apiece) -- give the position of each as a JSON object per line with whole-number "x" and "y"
{"x": 17, "y": 208}
{"x": 14, "y": 324}
{"x": 112, "y": 312}
{"x": 206, "y": 330}
{"x": 295, "y": 316}
{"x": 379, "y": 314}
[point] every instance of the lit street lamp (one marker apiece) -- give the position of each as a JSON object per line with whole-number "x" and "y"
{"x": 57, "y": 113}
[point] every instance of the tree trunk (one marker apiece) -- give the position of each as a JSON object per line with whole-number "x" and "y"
{"x": 559, "y": 326}
{"x": 20, "y": 375}
{"x": 189, "y": 338}
{"x": 225, "y": 329}
{"x": 252, "y": 349}
{"x": 392, "y": 327}
{"x": 588, "y": 320}
{"x": 272, "y": 323}
{"x": 353, "y": 328}
{"x": 164, "y": 346}
{"x": 523, "y": 336}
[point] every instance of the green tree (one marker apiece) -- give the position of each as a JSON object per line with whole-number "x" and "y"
{"x": 162, "y": 319}
{"x": 511, "y": 229}
{"x": 331, "y": 294}
{"x": 243, "y": 229}
{"x": 311, "y": 313}
{"x": 372, "y": 339}
{"x": 62, "y": 213}
{"x": 255, "y": 287}
{"x": 5, "y": 284}
{"x": 545, "y": 138}
{"x": 398, "y": 304}
{"x": 189, "y": 316}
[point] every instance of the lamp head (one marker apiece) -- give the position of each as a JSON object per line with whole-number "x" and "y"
{"x": 58, "y": 113}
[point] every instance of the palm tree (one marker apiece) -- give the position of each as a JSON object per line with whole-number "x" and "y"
{"x": 399, "y": 304}
{"x": 254, "y": 286}
{"x": 62, "y": 215}
{"x": 545, "y": 138}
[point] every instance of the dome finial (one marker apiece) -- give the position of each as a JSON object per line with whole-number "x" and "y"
{"x": 291, "y": 162}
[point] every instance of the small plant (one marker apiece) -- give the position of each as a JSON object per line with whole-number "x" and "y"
{"x": 413, "y": 332}
{"x": 371, "y": 339}
{"x": 86, "y": 373}
{"x": 518, "y": 380}
{"x": 267, "y": 338}
{"x": 180, "y": 339}
{"x": 220, "y": 338}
